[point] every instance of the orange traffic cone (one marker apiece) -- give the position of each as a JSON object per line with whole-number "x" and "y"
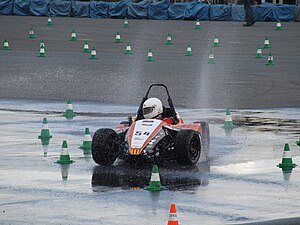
{"x": 173, "y": 216}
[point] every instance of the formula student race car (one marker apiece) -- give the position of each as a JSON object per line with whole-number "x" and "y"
{"x": 152, "y": 139}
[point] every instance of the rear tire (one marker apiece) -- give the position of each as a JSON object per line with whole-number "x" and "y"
{"x": 105, "y": 146}
{"x": 187, "y": 147}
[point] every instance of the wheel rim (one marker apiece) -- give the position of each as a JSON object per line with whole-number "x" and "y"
{"x": 194, "y": 148}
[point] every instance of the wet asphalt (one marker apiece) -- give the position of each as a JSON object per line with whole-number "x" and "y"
{"x": 239, "y": 184}
{"x": 237, "y": 80}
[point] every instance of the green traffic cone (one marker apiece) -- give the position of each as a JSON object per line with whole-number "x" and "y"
{"x": 50, "y": 23}
{"x": 73, "y": 36}
{"x": 150, "y": 56}
{"x": 259, "y": 53}
{"x": 31, "y": 34}
{"x": 42, "y": 44}
{"x": 287, "y": 161}
{"x": 45, "y": 135}
{"x": 6, "y": 45}
{"x": 155, "y": 184}
{"x": 64, "y": 156}
{"x": 42, "y": 52}
{"x": 216, "y": 42}
{"x": 270, "y": 60}
{"x": 118, "y": 38}
{"x": 298, "y": 142}
{"x": 197, "y": 27}
{"x": 128, "y": 50}
{"x": 169, "y": 40}
{"x": 278, "y": 26}
{"x": 189, "y": 50}
{"x": 228, "y": 124}
{"x": 86, "y": 47}
{"x": 87, "y": 143}
{"x": 93, "y": 54}
{"x": 211, "y": 58}
{"x": 267, "y": 43}
{"x": 125, "y": 25}
{"x": 69, "y": 113}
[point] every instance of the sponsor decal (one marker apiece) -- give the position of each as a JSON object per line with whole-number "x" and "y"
{"x": 147, "y": 125}
{"x": 148, "y": 121}
{"x": 138, "y": 139}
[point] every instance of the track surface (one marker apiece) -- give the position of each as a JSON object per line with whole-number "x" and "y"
{"x": 239, "y": 184}
{"x": 237, "y": 80}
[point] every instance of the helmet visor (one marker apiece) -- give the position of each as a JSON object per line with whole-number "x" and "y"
{"x": 148, "y": 110}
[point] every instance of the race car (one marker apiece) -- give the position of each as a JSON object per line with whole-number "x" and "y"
{"x": 138, "y": 140}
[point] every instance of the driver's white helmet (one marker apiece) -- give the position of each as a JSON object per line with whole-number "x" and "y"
{"x": 152, "y": 108}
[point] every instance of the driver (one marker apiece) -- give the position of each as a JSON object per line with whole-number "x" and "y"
{"x": 153, "y": 109}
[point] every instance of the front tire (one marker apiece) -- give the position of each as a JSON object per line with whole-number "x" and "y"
{"x": 105, "y": 146}
{"x": 188, "y": 147}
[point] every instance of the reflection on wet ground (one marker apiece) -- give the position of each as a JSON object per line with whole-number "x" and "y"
{"x": 173, "y": 177}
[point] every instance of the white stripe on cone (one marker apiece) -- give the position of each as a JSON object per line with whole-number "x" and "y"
{"x": 259, "y": 51}
{"x": 150, "y": 54}
{"x": 128, "y": 48}
{"x": 197, "y": 23}
{"x": 73, "y": 35}
{"x": 155, "y": 177}
{"x": 64, "y": 151}
{"x": 228, "y": 118}
{"x": 70, "y": 106}
{"x": 173, "y": 217}
{"x": 267, "y": 42}
{"x": 93, "y": 53}
{"x": 270, "y": 58}
{"x": 211, "y": 56}
{"x": 278, "y": 24}
{"x": 45, "y": 127}
{"x": 216, "y": 40}
{"x": 42, "y": 50}
{"x": 6, "y": 44}
{"x": 86, "y": 46}
{"x": 169, "y": 38}
{"x": 87, "y": 137}
{"x": 189, "y": 49}
{"x": 118, "y": 37}
{"x": 287, "y": 155}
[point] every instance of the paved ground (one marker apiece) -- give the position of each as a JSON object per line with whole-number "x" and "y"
{"x": 237, "y": 80}
{"x": 239, "y": 184}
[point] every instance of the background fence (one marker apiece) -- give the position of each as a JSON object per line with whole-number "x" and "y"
{"x": 148, "y": 9}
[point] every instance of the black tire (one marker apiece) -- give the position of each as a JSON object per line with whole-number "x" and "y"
{"x": 105, "y": 146}
{"x": 205, "y": 141}
{"x": 187, "y": 147}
